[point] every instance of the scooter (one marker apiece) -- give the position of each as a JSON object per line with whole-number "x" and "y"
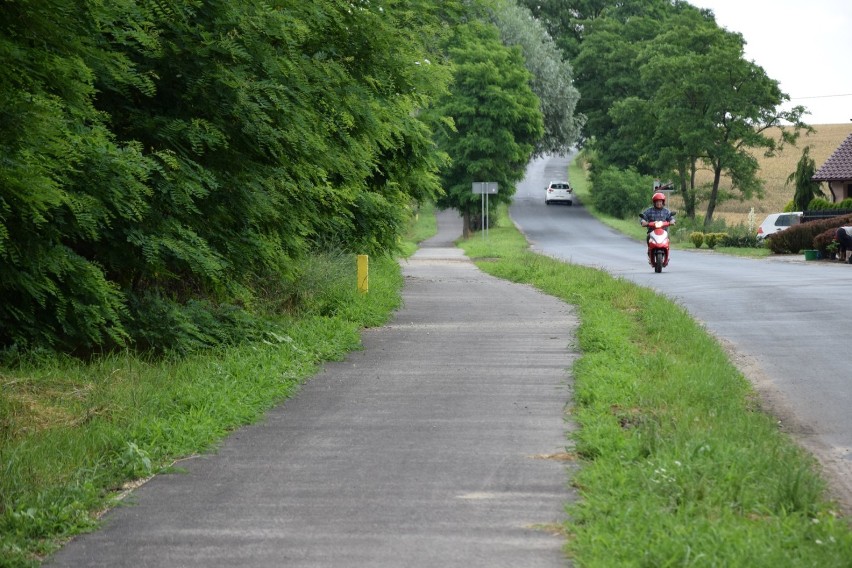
{"x": 658, "y": 245}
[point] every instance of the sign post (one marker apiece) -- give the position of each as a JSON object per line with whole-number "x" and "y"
{"x": 484, "y": 188}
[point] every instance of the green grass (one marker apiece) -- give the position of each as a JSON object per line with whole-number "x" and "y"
{"x": 679, "y": 466}
{"x": 72, "y": 435}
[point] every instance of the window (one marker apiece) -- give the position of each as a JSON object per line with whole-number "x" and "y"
{"x": 785, "y": 220}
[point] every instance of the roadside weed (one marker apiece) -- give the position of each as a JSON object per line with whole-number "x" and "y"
{"x": 73, "y": 434}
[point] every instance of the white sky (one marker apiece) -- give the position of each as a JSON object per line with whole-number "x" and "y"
{"x": 805, "y": 46}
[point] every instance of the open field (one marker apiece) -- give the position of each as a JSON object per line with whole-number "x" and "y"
{"x": 774, "y": 172}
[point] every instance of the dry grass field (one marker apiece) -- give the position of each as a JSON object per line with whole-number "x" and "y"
{"x": 774, "y": 172}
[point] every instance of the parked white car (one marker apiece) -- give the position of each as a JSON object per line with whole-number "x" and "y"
{"x": 778, "y": 222}
{"x": 558, "y": 191}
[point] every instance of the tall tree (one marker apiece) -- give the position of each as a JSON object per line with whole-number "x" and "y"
{"x": 714, "y": 106}
{"x": 806, "y": 189}
{"x": 277, "y": 127}
{"x": 674, "y": 93}
{"x": 496, "y": 119}
{"x": 552, "y": 77}
{"x": 567, "y": 21}
{"x": 600, "y": 38}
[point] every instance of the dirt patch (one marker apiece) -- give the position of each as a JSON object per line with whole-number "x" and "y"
{"x": 559, "y": 456}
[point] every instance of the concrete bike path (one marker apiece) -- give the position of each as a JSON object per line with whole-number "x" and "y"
{"x": 438, "y": 445}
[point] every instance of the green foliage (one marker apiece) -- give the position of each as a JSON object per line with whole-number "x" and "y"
{"x": 421, "y": 226}
{"x": 496, "y": 120}
{"x": 64, "y": 181}
{"x": 805, "y": 188}
{"x": 697, "y": 238}
{"x": 740, "y": 237}
{"x": 181, "y": 328}
{"x": 822, "y": 204}
{"x": 801, "y": 237}
{"x": 620, "y": 193}
{"x": 667, "y": 92}
{"x": 712, "y": 239}
{"x": 552, "y": 77}
{"x": 171, "y": 155}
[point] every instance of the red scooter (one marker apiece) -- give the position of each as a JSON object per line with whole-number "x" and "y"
{"x": 658, "y": 244}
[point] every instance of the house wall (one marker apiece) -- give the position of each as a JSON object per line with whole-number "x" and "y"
{"x": 840, "y": 190}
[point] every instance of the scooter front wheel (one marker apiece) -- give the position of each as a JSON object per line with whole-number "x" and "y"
{"x": 659, "y": 258}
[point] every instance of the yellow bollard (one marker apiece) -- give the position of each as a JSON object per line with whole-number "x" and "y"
{"x": 363, "y": 273}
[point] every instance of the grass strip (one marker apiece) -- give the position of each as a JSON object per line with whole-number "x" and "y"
{"x": 75, "y": 435}
{"x": 680, "y": 467}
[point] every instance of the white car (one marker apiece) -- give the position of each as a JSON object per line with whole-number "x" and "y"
{"x": 778, "y": 222}
{"x": 558, "y": 191}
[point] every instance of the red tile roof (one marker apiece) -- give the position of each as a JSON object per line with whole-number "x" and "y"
{"x": 838, "y": 167}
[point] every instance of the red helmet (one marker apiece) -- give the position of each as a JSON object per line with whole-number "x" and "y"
{"x": 660, "y": 196}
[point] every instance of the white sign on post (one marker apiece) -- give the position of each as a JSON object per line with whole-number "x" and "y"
{"x": 485, "y": 188}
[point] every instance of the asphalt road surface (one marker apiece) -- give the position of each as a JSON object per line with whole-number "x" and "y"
{"x": 785, "y": 321}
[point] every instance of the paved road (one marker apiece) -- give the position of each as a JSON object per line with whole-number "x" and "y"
{"x": 784, "y": 319}
{"x": 438, "y": 445}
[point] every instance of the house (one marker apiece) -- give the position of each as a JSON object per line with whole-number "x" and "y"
{"x": 837, "y": 171}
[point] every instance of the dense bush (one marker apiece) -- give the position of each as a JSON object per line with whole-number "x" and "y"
{"x": 713, "y": 239}
{"x": 739, "y": 236}
{"x": 821, "y": 204}
{"x": 803, "y": 236}
{"x": 159, "y": 159}
{"x": 824, "y": 239}
{"x": 620, "y": 193}
{"x": 740, "y": 239}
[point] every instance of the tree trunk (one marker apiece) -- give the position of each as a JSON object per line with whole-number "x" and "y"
{"x": 693, "y": 196}
{"x": 686, "y": 192}
{"x": 466, "y": 231}
{"x": 714, "y": 193}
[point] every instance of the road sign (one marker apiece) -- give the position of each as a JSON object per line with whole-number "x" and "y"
{"x": 485, "y": 187}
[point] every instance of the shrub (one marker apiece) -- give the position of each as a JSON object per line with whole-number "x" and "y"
{"x": 741, "y": 236}
{"x": 800, "y": 237}
{"x": 740, "y": 239}
{"x": 164, "y": 325}
{"x": 712, "y": 239}
{"x": 821, "y": 204}
{"x": 620, "y": 193}
{"x": 697, "y": 238}
{"x": 824, "y": 240}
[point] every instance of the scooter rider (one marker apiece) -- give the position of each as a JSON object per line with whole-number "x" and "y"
{"x": 652, "y": 214}
{"x": 656, "y": 213}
